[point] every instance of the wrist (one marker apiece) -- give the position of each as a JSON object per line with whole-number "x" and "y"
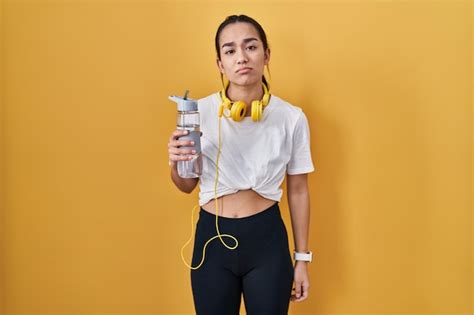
{"x": 303, "y": 256}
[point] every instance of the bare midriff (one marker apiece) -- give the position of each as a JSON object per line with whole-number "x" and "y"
{"x": 241, "y": 204}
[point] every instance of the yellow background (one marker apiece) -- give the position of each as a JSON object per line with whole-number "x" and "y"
{"x": 91, "y": 222}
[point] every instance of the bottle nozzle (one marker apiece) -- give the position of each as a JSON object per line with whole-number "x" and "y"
{"x": 184, "y": 104}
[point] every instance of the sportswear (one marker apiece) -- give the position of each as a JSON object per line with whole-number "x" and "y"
{"x": 254, "y": 155}
{"x": 260, "y": 268}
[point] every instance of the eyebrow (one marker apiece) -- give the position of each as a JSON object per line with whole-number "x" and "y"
{"x": 246, "y": 40}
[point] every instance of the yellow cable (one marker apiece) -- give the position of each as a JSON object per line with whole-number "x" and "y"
{"x": 217, "y": 215}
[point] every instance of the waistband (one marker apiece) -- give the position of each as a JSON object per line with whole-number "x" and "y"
{"x": 268, "y": 212}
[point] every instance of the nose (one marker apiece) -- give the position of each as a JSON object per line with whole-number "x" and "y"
{"x": 241, "y": 56}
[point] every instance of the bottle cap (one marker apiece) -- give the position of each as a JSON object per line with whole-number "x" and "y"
{"x": 184, "y": 103}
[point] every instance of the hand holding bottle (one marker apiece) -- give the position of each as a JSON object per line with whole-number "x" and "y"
{"x": 187, "y": 119}
{"x": 180, "y": 150}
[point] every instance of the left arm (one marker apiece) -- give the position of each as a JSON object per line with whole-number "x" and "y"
{"x": 298, "y": 200}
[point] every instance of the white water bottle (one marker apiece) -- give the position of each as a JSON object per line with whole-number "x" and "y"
{"x": 187, "y": 118}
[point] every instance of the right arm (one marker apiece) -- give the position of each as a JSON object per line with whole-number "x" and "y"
{"x": 176, "y": 154}
{"x": 186, "y": 185}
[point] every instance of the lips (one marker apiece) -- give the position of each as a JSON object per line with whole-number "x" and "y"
{"x": 242, "y": 70}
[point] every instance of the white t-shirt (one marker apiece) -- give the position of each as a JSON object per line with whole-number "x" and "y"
{"x": 254, "y": 155}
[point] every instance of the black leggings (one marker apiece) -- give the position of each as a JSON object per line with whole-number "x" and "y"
{"x": 260, "y": 267}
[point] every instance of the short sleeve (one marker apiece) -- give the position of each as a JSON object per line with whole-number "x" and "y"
{"x": 300, "y": 161}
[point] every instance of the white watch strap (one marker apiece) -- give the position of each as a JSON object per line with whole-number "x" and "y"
{"x": 304, "y": 256}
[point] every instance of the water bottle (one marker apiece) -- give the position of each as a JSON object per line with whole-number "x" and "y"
{"x": 187, "y": 118}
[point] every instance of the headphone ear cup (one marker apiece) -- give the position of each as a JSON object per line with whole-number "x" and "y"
{"x": 256, "y": 110}
{"x": 238, "y": 110}
{"x": 224, "y": 105}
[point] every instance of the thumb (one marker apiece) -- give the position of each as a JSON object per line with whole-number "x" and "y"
{"x": 298, "y": 290}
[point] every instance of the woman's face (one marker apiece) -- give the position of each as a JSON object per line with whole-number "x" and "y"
{"x": 241, "y": 47}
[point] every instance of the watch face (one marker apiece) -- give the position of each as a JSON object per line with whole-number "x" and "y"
{"x": 303, "y": 256}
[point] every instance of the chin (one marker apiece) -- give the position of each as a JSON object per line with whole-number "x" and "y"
{"x": 248, "y": 80}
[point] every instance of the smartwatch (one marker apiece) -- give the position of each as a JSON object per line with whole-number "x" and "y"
{"x": 303, "y": 256}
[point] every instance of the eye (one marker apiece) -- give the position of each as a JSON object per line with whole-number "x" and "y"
{"x": 252, "y": 47}
{"x": 229, "y": 51}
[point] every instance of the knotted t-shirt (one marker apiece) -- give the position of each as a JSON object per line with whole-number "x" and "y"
{"x": 254, "y": 155}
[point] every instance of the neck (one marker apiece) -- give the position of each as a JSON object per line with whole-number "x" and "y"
{"x": 246, "y": 93}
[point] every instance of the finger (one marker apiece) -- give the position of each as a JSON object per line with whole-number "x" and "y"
{"x": 180, "y": 132}
{"x": 176, "y": 158}
{"x": 178, "y": 151}
{"x": 178, "y": 143}
{"x": 295, "y": 299}
{"x": 177, "y": 133}
{"x": 305, "y": 295}
{"x": 298, "y": 290}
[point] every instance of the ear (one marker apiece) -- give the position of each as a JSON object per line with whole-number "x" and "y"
{"x": 266, "y": 58}
{"x": 219, "y": 65}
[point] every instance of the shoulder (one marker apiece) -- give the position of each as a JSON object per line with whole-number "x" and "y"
{"x": 208, "y": 105}
{"x": 284, "y": 108}
{"x": 208, "y": 100}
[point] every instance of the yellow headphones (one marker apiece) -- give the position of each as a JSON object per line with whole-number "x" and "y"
{"x": 238, "y": 109}
{"x": 237, "y": 113}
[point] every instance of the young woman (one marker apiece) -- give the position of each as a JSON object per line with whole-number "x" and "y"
{"x": 253, "y": 144}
